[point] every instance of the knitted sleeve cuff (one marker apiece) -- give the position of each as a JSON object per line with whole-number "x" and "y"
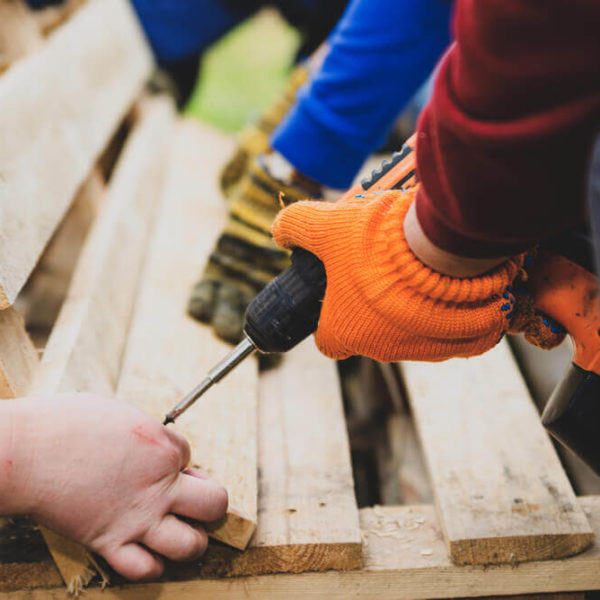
{"x": 441, "y": 233}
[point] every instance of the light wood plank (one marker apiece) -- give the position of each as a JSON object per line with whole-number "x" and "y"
{"x": 59, "y": 109}
{"x": 502, "y": 494}
{"x": 307, "y": 513}
{"x": 405, "y": 559}
{"x": 19, "y": 32}
{"x": 42, "y": 297}
{"x": 51, "y": 17}
{"x": 85, "y": 349}
{"x": 308, "y": 517}
{"x": 168, "y": 352}
{"x": 18, "y": 357}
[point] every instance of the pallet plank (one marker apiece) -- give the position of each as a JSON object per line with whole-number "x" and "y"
{"x": 405, "y": 559}
{"x": 168, "y": 352}
{"x": 86, "y": 345}
{"x": 19, "y": 32}
{"x": 41, "y": 299}
{"x": 308, "y": 518}
{"x": 502, "y": 494}
{"x": 308, "y": 512}
{"x": 18, "y": 357}
{"x": 59, "y": 108}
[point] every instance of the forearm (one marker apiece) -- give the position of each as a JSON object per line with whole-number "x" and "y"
{"x": 380, "y": 53}
{"x": 441, "y": 260}
{"x": 13, "y": 466}
{"x": 502, "y": 146}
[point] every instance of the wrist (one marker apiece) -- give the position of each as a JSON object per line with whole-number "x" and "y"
{"x": 14, "y": 463}
{"x": 281, "y": 169}
{"x": 439, "y": 259}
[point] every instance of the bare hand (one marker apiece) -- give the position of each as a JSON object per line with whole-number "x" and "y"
{"x": 104, "y": 474}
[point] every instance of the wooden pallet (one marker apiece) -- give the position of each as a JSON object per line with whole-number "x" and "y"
{"x": 277, "y": 440}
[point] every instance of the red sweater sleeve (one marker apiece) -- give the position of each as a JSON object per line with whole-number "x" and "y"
{"x": 503, "y": 145}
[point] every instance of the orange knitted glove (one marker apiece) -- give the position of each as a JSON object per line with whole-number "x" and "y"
{"x": 381, "y": 301}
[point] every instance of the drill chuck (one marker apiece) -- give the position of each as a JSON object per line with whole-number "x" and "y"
{"x": 283, "y": 314}
{"x": 287, "y": 310}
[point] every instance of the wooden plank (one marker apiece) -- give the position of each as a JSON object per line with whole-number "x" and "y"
{"x": 502, "y": 494}
{"x": 405, "y": 559}
{"x": 42, "y": 297}
{"x": 168, "y": 352}
{"x": 50, "y": 17}
{"x": 18, "y": 357}
{"x": 59, "y": 109}
{"x": 308, "y": 518}
{"x": 19, "y": 32}
{"x": 85, "y": 349}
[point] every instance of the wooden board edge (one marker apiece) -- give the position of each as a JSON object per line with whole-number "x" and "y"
{"x": 423, "y": 578}
{"x": 18, "y": 356}
{"x": 234, "y": 529}
{"x": 20, "y": 576}
{"x": 338, "y": 556}
{"x": 506, "y": 550}
{"x": 4, "y": 301}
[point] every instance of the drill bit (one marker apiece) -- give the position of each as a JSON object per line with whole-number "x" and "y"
{"x": 232, "y": 360}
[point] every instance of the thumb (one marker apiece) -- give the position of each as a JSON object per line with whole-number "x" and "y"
{"x": 544, "y": 332}
{"x": 305, "y": 225}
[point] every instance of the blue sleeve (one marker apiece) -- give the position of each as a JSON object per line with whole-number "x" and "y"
{"x": 380, "y": 53}
{"x": 177, "y": 29}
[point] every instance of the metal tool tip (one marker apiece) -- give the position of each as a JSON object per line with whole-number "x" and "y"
{"x": 168, "y": 419}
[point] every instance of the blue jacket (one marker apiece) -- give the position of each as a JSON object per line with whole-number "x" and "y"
{"x": 178, "y": 29}
{"x": 381, "y": 52}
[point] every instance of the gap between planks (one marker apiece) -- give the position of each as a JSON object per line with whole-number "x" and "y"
{"x": 308, "y": 518}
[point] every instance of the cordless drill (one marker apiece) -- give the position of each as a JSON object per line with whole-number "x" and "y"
{"x": 287, "y": 311}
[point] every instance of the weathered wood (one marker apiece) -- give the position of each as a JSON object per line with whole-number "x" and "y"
{"x": 18, "y": 357}
{"x": 51, "y": 17}
{"x": 46, "y": 289}
{"x": 168, "y": 352}
{"x": 19, "y": 32}
{"x": 501, "y": 492}
{"x": 59, "y": 108}
{"x": 308, "y": 518}
{"x": 85, "y": 349}
{"x": 405, "y": 559}
{"x": 307, "y": 513}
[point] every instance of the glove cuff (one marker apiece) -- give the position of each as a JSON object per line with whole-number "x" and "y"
{"x": 383, "y": 236}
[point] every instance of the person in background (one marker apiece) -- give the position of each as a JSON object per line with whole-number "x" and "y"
{"x": 180, "y": 32}
{"x": 375, "y": 60}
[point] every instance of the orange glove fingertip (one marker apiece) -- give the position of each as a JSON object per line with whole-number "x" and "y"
{"x": 299, "y": 225}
